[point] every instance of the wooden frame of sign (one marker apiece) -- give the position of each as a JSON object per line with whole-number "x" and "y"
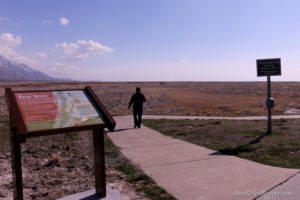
{"x": 41, "y": 113}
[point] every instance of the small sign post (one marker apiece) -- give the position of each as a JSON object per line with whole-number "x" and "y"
{"x": 42, "y": 113}
{"x": 269, "y": 67}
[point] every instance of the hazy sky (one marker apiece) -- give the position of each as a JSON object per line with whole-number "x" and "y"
{"x": 152, "y": 40}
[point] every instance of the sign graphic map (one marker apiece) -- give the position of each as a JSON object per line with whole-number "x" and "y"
{"x": 56, "y": 109}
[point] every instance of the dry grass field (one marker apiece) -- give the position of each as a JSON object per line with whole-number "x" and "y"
{"x": 53, "y": 167}
{"x": 183, "y": 98}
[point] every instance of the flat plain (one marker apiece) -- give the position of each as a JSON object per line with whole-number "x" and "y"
{"x": 182, "y": 98}
{"x": 61, "y": 165}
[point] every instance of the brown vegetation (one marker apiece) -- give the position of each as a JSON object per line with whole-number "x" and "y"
{"x": 183, "y": 98}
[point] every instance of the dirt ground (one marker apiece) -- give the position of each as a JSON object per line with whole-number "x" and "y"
{"x": 51, "y": 163}
{"x": 57, "y": 166}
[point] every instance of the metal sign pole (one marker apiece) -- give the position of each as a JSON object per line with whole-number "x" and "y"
{"x": 269, "y": 106}
{"x": 269, "y": 67}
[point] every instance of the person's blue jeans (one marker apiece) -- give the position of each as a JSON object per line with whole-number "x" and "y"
{"x": 137, "y": 116}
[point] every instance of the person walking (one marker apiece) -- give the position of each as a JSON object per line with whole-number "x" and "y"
{"x": 137, "y": 100}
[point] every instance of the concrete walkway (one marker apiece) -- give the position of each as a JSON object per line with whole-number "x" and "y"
{"x": 90, "y": 195}
{"x": 191, "y": 172}
{"x": 289, "y": 190}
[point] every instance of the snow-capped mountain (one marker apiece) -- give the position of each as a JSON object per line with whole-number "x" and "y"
{"x": 10, "y": 71}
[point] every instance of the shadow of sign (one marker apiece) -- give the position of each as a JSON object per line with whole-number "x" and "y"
{"x": 240, "y": 149}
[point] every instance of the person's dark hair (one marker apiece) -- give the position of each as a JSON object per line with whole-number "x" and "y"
{"x": 138, "y": 89}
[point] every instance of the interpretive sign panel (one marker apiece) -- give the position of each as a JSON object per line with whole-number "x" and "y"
{"x": 42, "y": 113}
{"x": 268, "y": 67}
{"x": 56, "y": 109}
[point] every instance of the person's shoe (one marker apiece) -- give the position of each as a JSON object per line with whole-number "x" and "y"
{"x": 135, "y": 126}
{"x": 139, "y": 126}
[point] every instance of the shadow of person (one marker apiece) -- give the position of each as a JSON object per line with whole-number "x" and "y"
{"x": 92, "y": 197}
{"x": 120, "y": 130}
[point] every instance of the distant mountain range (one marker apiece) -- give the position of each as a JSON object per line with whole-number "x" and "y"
{"x": 11, "y": 71}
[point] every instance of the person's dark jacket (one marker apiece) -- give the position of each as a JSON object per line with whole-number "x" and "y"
{"x": 137, "y": 100}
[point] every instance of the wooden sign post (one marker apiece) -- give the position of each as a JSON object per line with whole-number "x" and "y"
{"x": 41, "y": 113}
{"x": 269, "y": 67}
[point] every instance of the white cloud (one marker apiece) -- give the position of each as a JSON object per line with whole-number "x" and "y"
{"x": 7, "y": 40}
{"x": 57, "y": 66}
{"x": 55, "y": 69}
{"x": 41, "y": 55}
{"x": 47, "y": 22}
{"x": 4, "y": 18}
{"x": 62, "y": 70}
{"x": 64, "y": 21}
{"x": 7, "y": 44}
{"x": 82, "y": 49}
